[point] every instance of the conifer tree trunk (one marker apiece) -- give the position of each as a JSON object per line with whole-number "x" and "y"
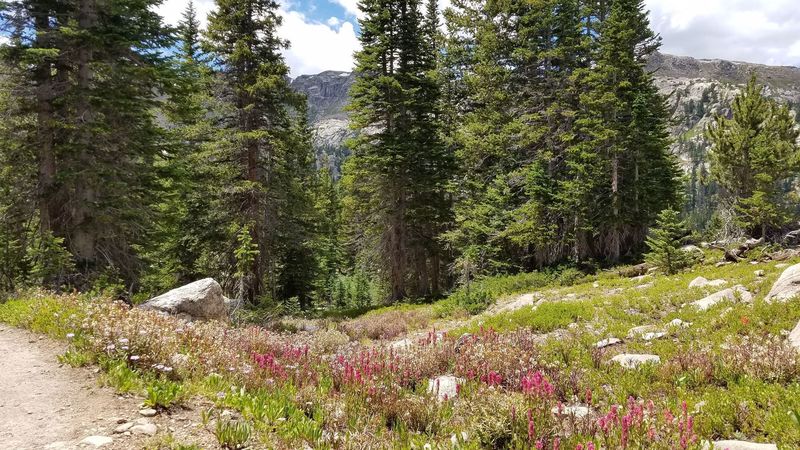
{"x": 397, "y": 249}
{"x": 84, "y": 238}
{"x": 44, "y": 119}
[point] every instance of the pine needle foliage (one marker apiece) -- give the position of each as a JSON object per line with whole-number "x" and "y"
{"x": 665, "y": 242}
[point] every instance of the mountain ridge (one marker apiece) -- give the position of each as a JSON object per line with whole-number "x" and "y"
{"x": 696, "y": 90}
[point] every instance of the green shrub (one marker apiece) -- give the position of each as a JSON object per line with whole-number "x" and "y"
{"x": 76, "y": 358}
{"x": 121, "y": 377}
{"x": 232, "y": 434}
{"x": 163, "y": 394}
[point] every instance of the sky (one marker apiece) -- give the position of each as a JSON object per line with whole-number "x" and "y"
{"x": 323, "y": 33}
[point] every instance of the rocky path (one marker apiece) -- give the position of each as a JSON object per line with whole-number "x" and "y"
{"x": 47, "y": 405}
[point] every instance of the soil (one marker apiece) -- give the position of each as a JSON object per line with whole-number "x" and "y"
{"x": 48, "y": 405}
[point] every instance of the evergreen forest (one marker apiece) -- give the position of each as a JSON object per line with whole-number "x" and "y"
{"x": 497, "y": 138}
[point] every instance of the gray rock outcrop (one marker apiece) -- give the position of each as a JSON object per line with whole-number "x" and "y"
{"x": 696, "y": 90}
{"x": 794, "y": 337}
{"x": 787, "y": 286}
{"x": 201, "y": 300}
{"x": 444, "y": 387}
{"x": 741, "y": 445}
{"x": 732, "y": 294}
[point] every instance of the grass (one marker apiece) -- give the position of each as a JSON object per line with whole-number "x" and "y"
{"x": 343, "y": 387}
{"x": 544, "y": 319}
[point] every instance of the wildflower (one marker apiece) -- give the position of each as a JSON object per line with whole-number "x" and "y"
{"x": 626, "y": 426}
{"x": 123, "y": 341}
{"x": 134, "y": 357}
{"x": 70, "y": 335}
{"x": 531, "y": 426}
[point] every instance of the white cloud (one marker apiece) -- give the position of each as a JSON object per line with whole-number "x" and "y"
{"x": 760, "y": 31}
{"x": 351, "y": 6}
{"x": 316, "y": 47}
{"x": 172, "y": 10}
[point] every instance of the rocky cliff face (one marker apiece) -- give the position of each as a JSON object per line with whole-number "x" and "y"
{"x": 327, "y": 94}
{"x": 696, "y": 90}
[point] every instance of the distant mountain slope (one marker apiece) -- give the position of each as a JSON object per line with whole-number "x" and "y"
{"x": 696, "y": 90}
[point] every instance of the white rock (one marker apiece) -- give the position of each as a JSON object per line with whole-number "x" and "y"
{"x": 638, "y": 331}
{"x": 701, "y": 282}
{"x": 576, "y": 411}
{"x": 403, "y": 344}
{"x": 632, "y": 361}
{"x": 760, "y": 273}
{"x": 794, "y": 337}
{"x": 691, "y": 249}
{"x": 199, "y": 300}
{"x": 678, "y": 323}
{"x": 728, "y": 294}
{"x": 653, "y": 336}
{"x": 519, "y": 302}
{"x": 742, "y": 445}
{"x": 645, "y": 286}
{"x": 123, "y": 428}
{"x": 445, "y": 387}
{"x": 148, "y": 412}
{"x": 97, "y": 441}
{"x": 787, "y": 286}
{"x": 608, "y": 342}
{"x": 781, "y": 266}
{"x": 595, "y": 285}
{"x": 149, "y": 429}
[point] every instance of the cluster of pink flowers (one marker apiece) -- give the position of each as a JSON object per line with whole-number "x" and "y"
{"x": 536, "y": 385}
{"x": 492, "y": 378}
{"x": 269, "y": 363}
{"x": 640, "y": 420}
{"x": 364, "y": 367}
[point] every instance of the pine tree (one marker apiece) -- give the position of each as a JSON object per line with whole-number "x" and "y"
{"x": 396, "y": 178}
{"x": 664, "y": 243}
{"x": 94, "y": 72}
{"x": 329, "y": 242}
{"x": 261, "y": 152}
{"x": 752, "y": 154}
{"x": 189, "y": 33}
{"x": 625, "y": 121}
{"x": 182, "y": 244}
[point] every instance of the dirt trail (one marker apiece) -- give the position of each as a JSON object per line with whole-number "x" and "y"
{"x": 46, "y": 405}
